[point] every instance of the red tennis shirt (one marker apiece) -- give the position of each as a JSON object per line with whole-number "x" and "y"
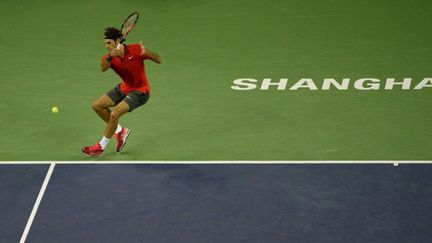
{"x": 131, "y": 69}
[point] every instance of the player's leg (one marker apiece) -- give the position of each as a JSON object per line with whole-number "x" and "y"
{"x": 118, "y": 111}
{"x": 134, "y": 99}
{"x": 101, "y": 107}
{"x": 114, "y": 116}
{"x": 109, "y": 99}
{"x": 129, "y": 103}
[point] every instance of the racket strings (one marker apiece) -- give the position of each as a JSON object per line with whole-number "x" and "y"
{"x": 129, "y": 24}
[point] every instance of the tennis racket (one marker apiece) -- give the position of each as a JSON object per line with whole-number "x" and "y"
{"x": 127, "y": 26}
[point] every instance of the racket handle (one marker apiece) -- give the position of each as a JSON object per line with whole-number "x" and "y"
{"x": 118, "y": 46}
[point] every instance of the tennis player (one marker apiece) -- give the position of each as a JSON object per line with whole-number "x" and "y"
{"x": 134, "y": 91}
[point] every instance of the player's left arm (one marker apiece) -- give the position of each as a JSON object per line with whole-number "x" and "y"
{"x": 153, "y": 56}
{"x": 146, "y": 53}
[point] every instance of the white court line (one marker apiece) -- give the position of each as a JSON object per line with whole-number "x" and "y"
{"x": 37, "y": 203}
{"x": 306, "y": 162}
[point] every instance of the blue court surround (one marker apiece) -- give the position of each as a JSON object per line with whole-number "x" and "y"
{"x": 231, "y": 203}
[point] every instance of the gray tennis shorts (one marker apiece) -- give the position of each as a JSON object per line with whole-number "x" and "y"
{"x": 134, "y": 99}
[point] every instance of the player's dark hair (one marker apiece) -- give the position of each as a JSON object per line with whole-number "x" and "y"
{"x": 112, "y": 33}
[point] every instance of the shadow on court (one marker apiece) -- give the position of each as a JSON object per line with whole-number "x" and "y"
{"x": 218, "y": 203}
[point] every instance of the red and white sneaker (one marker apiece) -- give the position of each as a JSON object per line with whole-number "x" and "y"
{"x": 95, "y": 150}
{"x": 121, "y": 138}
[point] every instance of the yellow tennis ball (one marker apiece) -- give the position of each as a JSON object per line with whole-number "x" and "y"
{"x": 55, "y": 110}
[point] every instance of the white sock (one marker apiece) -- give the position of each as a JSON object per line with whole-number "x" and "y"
{"x": 104, "y": 142}
{"x": 119, "y": 128}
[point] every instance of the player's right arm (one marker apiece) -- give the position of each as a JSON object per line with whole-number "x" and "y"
{"x": 106, "y": 60}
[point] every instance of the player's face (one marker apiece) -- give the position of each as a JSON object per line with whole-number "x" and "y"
{"x": 110, "y": 44}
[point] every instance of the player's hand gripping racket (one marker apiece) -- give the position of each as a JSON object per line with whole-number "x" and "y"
{"x": 127, "y": 26}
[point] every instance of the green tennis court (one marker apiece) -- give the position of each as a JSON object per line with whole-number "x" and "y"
{"x": 51, "y": 51}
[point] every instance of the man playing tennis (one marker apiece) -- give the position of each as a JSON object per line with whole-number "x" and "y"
{"x": 128, "y": 62}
